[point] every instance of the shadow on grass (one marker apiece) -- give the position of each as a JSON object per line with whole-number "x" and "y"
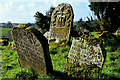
{"x": 62, "y": 76}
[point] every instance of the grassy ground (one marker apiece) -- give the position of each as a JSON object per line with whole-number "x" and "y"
{"x": 4, "y": 31}
{"x": 11, "y": 69}
{"x": 110, "y": 70}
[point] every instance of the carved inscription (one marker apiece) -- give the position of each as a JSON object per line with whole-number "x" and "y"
{"x": 61, "y": 22}
{"x": 30, "y": 50}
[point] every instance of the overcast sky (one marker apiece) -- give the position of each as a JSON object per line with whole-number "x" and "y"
{"x": 22, "y": 11}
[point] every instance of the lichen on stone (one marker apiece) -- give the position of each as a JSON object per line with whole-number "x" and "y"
{"x": 61, "y": 23}
{"x": 86, "y": 53}
{"x": 32, "y": 49}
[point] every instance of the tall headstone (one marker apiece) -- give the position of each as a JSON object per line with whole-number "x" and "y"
{"x": 32, "y": 49}
{"x": 85, "y": 56}
{"x": 61, "y": 22}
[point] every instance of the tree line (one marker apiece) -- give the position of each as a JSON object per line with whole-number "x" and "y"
{"x": 107, "y": 13}
{"x": 7, "y": 25}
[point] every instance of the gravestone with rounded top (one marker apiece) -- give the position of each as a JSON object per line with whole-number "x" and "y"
{"x": 61, "y": 22}
{"x": 32, "y": 49}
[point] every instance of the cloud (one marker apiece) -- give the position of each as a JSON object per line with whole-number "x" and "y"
{"x": 21, "y": 7}
{"x": 46, "y": 2}
{"x": 31, "y": 5}
{"x": 5, "y": 10}
{"x": 11, "y": 3}
{"x": 54, "y": 3}
{"x": 5, "y": 7}
{"x": 18, "y": 12}
{"x": 24, "y": 11}
{"x": 8, "y": 4}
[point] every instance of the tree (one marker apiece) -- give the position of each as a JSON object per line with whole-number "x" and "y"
{"x": 29, "y": 24}
{"x": 9, "y": 24}
{"x": 108, "y": 15}
{"x": 90, "y": 24}
{"x": 43, "y": 22}
{"x": 49, "y": 12}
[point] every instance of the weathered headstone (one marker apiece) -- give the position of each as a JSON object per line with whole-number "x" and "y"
{"x": 61, "y": 22}
{"x": 10, "y": 36}
{"x": 85, "y": 56}
{"x": 32, "y": 49}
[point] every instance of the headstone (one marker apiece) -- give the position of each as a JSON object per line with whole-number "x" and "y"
{"x": 61, "y": 22}
{"x": 9, "y": 36}
{"x": 32, "y": 49}
{"x": 85, "y": 56}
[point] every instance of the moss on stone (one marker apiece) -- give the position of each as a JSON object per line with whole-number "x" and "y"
{"x": 82, "y": 60}
{"x": 38, "y": 36}
{"x": 83, "y": 71}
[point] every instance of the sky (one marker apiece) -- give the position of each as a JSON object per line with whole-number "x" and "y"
{"x": 23, "y": 11}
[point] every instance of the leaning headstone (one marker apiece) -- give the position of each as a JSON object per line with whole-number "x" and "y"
{"x": 61, "y": 23}
{"x": 85, "y": 56}
{"x": 32, "y": 49}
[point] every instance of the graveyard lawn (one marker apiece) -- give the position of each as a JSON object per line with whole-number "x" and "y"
{"x": 11, "y": 68}
{"x": 5, "y": 31}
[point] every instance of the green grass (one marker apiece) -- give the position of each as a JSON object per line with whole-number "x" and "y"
{"x": 11, "y": 68}
{"x": 58, "y": 56}
{"x": 112, "y": 64}
{"x": 5, "y": 31}
{"x": 95, "y": 34}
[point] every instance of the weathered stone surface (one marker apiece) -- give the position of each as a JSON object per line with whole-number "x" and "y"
{"x": 61, "y": 22}
{"x": 9, "y": 35}
{"x": 85, "y": 52}
{"x": 32, "y": 49}
{"x": 47, "y": 35}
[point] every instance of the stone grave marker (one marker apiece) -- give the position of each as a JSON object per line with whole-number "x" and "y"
{"x": 85, "y": 56}
{"x": 32, "y": 49}
{"x": 10, "y": 36}
{"x": 61, "y": 22}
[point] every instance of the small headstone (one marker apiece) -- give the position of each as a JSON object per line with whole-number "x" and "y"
{"x": 32, "y": 49}
{"x": 84, "y": 56}
{"x": 61, "y": 22}
{"x": 9, "y": 36}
